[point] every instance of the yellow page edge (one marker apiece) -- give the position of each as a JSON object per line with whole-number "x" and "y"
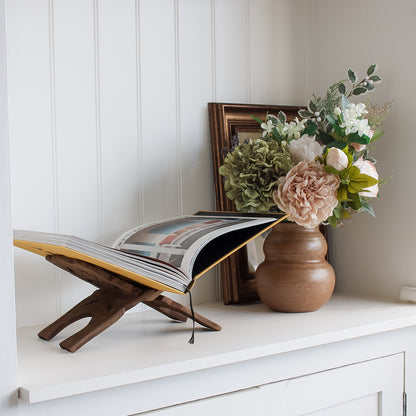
{"x": 45, "y": 249}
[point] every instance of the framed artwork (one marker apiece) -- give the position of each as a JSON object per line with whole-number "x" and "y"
{"x": 227, "y": 122}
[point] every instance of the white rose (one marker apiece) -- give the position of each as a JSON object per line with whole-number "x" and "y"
{"x": 337, "y": 159}
{"x": 368, "y": 168}
{"x": 305, "y": 149}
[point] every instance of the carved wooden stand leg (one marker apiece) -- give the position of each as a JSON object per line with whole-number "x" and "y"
{"x": 179, "y": 312}
{"x": 108, "y": 304}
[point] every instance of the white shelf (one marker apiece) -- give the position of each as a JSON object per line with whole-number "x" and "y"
{"x": 147, "y": 346}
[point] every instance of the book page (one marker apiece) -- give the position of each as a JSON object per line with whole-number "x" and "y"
{"x": 178, "y": 241}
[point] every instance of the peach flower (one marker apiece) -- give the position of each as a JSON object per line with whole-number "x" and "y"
{"x": 308, "y": 194}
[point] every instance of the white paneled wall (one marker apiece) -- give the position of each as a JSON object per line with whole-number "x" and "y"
{"x": 108, "y": 115}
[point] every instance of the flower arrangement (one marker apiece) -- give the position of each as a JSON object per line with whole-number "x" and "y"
{"x": 316, "y": 168}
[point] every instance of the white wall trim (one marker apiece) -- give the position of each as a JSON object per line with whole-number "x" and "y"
{"x": 97, "y": 86}
{"x": 178, "y": 106}
{"x": 54, "y": 141}
{"x": 8, "y": 355}
{"x": 140, "y": 215}
{"x": 213, "y": 52}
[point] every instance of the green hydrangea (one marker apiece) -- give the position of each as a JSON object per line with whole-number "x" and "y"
{"x": 252, "y": 171}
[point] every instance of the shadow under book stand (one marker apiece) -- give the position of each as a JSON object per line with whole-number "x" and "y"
{"x": 105, "y": 306}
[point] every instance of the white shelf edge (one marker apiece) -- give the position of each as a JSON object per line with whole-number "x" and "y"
{"x": 38, "y": 393}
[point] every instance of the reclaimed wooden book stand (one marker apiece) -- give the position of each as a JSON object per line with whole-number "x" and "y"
{"x": 105, "y": 306}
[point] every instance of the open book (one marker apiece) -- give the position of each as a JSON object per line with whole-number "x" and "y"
{"x": 167, "y": 255}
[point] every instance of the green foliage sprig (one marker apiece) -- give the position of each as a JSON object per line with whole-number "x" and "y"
{"x": 320, "y": 107}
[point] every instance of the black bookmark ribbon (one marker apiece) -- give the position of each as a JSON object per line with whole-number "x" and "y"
{"x": 192, "y": 339}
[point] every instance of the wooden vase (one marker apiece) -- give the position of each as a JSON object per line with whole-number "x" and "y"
{"x": 295, "y": 276}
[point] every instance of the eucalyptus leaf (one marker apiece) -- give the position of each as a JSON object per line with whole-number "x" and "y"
{"x": 282, "y": 117}
{"x": 359, "y": 90}
{"x": 342, "y": 88}
{"x": 305, "y": 113}
{"x": 272, "y": 118}
{"x": 352, "y": 75}
{"x": 375, "y": 78}
{"x": 370, "y": 87}
{"x": 312, "y": 107}
{"x": 371, "y": 69}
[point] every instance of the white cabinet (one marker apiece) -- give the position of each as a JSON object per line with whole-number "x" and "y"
{"x": 369, "y": 388}
{"x": 249, "y": 402}
{"x": 354, "y": 357}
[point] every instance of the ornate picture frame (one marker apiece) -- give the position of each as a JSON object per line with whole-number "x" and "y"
{"x": 226, "y": 122}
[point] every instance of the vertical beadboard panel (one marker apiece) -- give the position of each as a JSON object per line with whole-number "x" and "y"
{"x": 75, "y": 92}
{"x": 293, "y": 51}
{"x": 232, "y": 51}
{"x": 196, "y": 89}
{"x": 264, "y": 51}
{"x": 77, "y": 133}
{"x": 118, "y": 117}
{"x": 31, "y": 150}
{"x": 195, "y": 79}
{"x": 159, "y": 148}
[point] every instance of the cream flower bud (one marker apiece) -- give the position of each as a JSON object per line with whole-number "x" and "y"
{"x": 337, "y": 159}
{"x": 367, "y": 168}
{"x": 337, "y": 111}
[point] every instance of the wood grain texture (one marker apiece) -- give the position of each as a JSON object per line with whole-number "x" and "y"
{"x": 226, "y": 121}
{"x": 107, "y": 305}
